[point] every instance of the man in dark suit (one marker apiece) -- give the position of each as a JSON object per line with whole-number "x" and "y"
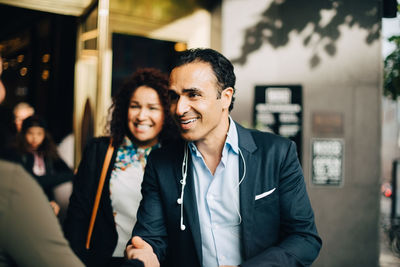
{"x": 226, "y": 195}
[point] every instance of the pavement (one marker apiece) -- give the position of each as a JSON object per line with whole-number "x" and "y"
{"x": 387, "y": 258}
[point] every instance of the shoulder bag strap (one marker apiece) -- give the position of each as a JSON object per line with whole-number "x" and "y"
{"x": 110, "y": 151}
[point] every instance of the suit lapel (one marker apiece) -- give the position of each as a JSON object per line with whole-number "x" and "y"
{"x": 191, "y": 220}
{"x": 249, "y": 168}
{"x": 191, "y": 217}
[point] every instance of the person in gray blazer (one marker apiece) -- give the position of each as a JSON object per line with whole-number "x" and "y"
{"x": 30, "y": 234}
{"x": 225, "y": 195}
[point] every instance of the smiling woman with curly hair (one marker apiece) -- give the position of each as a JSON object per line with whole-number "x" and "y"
{"x": 140, "y": 122}
{"x": 145, "y": 77}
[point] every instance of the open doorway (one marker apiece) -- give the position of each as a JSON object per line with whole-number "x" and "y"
{"x": 131, "y": 52}
{"x": 38, "y": 50}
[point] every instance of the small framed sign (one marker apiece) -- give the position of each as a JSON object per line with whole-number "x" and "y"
{"x": 327, "y": 161}
{"x": 327, "y": 123}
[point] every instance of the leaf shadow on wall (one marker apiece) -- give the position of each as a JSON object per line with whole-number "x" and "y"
{"x": 317, "y": 21}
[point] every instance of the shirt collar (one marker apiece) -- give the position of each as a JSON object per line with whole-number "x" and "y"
{"x": 230, "y": 141}
{"x": 232, "y": 136}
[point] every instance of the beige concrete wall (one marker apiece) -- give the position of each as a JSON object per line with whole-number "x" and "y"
{"x": 348, "y": 82}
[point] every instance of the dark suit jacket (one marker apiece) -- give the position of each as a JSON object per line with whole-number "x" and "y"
{"x": 76, "y": 225}
{"x": 276, "y": 230}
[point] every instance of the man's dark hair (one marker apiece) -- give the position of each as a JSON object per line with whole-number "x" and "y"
{"x": 222, "y": 67}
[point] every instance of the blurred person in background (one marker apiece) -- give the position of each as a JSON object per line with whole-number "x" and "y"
{"x": 7, "y": 129}
{"x": 66, "y": 149}
{"x": 140, "y": 123}
{"x": 37, "y": 152}
{"x": 30, "y": 234}
{"x": 2, "y": 88}
{"x": 62, "y": 193}
{"x": 22, "y": 111}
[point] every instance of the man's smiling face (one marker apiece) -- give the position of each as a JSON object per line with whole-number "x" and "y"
{"x": 196, "y": 105}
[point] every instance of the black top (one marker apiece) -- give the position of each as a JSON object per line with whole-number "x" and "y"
{"x": 57, "y": 172}
{"x": 104, "y": 236}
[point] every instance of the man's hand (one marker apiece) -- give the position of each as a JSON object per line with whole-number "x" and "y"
{"x": 141, "y": 250}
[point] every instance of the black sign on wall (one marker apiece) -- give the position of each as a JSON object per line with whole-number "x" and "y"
{"x": 327, "y": 161}
{"x": 278, "y": 109}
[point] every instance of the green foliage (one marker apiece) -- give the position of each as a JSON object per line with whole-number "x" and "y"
{"x": 391, "y": 86}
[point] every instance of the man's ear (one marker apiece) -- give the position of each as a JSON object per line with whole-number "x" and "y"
{"x": 226, "y": 97}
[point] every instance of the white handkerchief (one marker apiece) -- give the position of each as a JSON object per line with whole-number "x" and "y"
{"x": 265, "y": 194}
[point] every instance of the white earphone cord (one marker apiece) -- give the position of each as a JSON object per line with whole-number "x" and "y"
{"x": 183, "y": 183}
{"x": 241, "y": 180}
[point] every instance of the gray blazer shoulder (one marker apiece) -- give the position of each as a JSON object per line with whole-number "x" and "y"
{"x": 30, "y": 233}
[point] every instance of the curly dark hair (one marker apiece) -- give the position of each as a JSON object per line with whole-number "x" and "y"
{"x": 149, "y": 77}
{"x": 47, "y": 148}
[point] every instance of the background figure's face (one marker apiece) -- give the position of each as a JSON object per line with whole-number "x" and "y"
{"x": 20, "y": 115}
{"x": 145, "y": 116}
{"x": 2, "y": 88}
{"x": 194, "y": 101}
{"x": 34, "y": 137}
